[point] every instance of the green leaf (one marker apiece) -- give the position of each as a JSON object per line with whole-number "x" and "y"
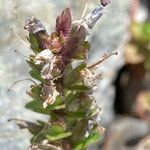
{"x": 36, "y": 75}
{"x": 141, "y": 32}
{"x": 84, "y": 143}
{"x": 147, "y": 64}
{"x": 34, "y": 43}
{"x": 72, "y": 76}
{"x": 77, "y": 114}
{"x": 78, "y": 87}
{"x": 32, "y": 65}
{"x": 92, "y": 112}
{"x": 34, "y": 128}
{"x": 70, "y": 96}
{"x": 146, "y": 31}
{"x": 35, "y": 72}
{"x": 37, "y": 106}
{"x": 82, "y": 50}
{"x": 57, "y": 132}
{"x": 87, "y": 45}
{"x": 36, "y": 92}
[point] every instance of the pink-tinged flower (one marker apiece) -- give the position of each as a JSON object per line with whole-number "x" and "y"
{"x": 63, "y": 22}
{"x": 57, "y": 42}
{"x": 105, "y": 2}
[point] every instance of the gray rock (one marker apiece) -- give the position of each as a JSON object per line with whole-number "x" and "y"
{"x": 124, "y": 133}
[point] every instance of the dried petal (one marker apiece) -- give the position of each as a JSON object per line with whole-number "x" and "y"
{"x": 33, "y": 25}
{"x": 89, "y": 77}
{"x": 52, "y": 69}
{"x": 55, "y": 70}
{"x": 49, "y": 93}
{"x": 46, "y": 73}
{"x": 63, "y": 22}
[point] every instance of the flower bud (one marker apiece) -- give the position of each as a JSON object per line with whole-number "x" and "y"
{"x": 92, "y": 18}
{"x": 33, "y": 25}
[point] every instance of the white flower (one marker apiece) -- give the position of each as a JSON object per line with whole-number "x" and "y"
{"x": 44, "y": 56}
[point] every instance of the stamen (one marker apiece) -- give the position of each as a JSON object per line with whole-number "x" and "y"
{"x": 16, "y": 51}
{"x": 17, "y": 16}
{"x": 85, "y": 9}
{"x": 29, "y": 91}
{"x": 67, "y": 3}
{"x": 21, "y": 40}
{"x": 16, "y": 82}
{"x": 100, "y": 61}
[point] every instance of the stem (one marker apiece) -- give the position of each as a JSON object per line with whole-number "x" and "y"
{"x": 45, "y": 126}
{"x": 85, "y": 8}
{"x": 100, "y": 61}
{"x": 16, "y": 82}
{"x": 20, "y": 39}
{"x": 45, "y": 146}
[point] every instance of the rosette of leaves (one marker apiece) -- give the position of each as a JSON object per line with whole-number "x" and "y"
{"x": 63, "y": 89}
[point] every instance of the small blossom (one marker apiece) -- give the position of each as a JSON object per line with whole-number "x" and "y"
{"x": 33, "y": 25}
{"x": 56, "y": 45}
{"x": 57, "y": 42}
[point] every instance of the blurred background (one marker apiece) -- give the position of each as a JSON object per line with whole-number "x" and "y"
{"x": 123, "y": 92}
